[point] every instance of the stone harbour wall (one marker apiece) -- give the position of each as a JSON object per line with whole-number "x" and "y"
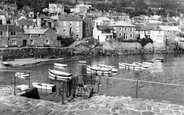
{"x": 97, "y": 105}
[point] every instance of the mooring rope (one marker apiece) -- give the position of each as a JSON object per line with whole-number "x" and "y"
{"x": 146, "y": 81}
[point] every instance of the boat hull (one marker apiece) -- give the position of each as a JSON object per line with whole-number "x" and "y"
{"x": 59, "y": 75}
{"x": 50, "y": 88}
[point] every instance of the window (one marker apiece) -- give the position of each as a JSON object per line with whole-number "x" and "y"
{"x": 130, "y": 35}
{"x": 64, "y": 29}
{"x": 120, "y": 28}
{"x": 13, "y": 33}
{"x": 39, "y": 35}
{"x": 31, "y": 42}
{"x": 71, "y": 23}
{"x": 1, "y": 33}
{"x": 77, "y": 23}
{"x": 77, "y": 29}
{"x": 119, "y": 34}
{"x": 47, "y": 42}
{"x": 159, "y": 32}
{"x": 14, "y": 42}
{"x": 125, "y": 29}
{"x": 64, "y": 23}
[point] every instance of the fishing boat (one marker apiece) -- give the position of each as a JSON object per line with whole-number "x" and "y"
{"x": 123, "y": 65}
{"x": 158, "y": 59}
{"x": 98, "y": 70}
{"x": 59, "y": 75}
{"x": 82, "y": 62}
{"x": 6, "y": 64}
{"x": 45, "y": 87}
{"x": 60, "y": 65}
{"x": 21, "y": 75}
{"x": 114, "y": 70}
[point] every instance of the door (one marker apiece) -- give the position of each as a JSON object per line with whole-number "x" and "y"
{"x": 24, "y": 42}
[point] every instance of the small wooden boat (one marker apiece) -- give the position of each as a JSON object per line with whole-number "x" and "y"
{"x": 59, "y": 75}
{"x": 103, "y": 65}
{"x": 114, "y": 70}
{"x": 98, "y": 70}
{"x": 45, "y": 87}
{"x": 60, "y": 65}
{"x": 6, "y": 64}
{"x": 21, "y": 75}
{"x": 123, "y": 65}
{"x": 83, "y": 62}
{"x": 157, "y": 59}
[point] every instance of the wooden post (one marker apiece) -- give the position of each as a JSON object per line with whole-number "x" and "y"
{"x": 137, "y": 88}
{"x": 14, "y": 85}
{"x": 63, "y": 92}
{"x": 29, "y": 80}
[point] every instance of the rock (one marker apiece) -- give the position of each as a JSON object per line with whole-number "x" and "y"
{"x": 168, "y": 112}
{"x": 132, "y": 112}
{"x": 147, "y": 113}
{"x": 103, "y": 111}
{"x": 174, "y": 107}
{"x": 86, "y": 112}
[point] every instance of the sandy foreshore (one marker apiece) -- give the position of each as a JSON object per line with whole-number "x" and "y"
{"x": 27, "y": 61}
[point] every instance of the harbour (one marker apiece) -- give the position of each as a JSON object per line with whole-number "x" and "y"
{"x": 169, "y": 72}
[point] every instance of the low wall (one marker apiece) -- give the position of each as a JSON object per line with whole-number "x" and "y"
{"x": 18, "y": 53}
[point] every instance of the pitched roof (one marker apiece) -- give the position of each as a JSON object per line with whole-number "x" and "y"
{"x": 101, "y": 27}
{"x": 10, "y": 28}
{"x": 66, "y": 17}
{"x": 147, "y": 28}
{"x": 25, "y": 22}
{"x": 119, "y": 14}
{"x": 175, "y": 28}
{"x": 35, "y": 31}
{"x": 122, "y": 23}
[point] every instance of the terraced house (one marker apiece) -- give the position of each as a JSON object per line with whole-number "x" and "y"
{"x": 40, "y": 37}
{"x": 10, "y": 35}
{"x": 124, "y": 30}
{"x": 70, "y": 26}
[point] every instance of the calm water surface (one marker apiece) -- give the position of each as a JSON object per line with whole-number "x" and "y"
{"x": 170, "y": 72}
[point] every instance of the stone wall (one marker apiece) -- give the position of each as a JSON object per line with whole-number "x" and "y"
{"x": 46, "y": 52}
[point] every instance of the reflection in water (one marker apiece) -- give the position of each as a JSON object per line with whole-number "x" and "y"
{"x": 171, "y": 71}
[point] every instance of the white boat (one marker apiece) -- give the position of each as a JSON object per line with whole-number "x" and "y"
{"x": 83, "y": 62}
{"x": 21, "y": 75}
{"x": 59, "y": 75}
{"x": 114, "y": 70}
{"x": 60, "y": 65}
{"x": 98, "y": 70}
{"x": 5, "y": 64}
{"x": 158, "y": 59}
{"x": 123, "y": 65}
{"x": 103, "y": 65}
{"x": 45, "y": 86}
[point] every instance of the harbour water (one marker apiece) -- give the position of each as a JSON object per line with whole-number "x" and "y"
{"x": 170, "y": 72}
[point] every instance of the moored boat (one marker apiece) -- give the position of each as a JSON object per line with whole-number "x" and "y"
{"x": 82, "y": 62}
{"x": 45, "y": 86}
{"x": 60, "y": 65}
{"x": 123, "y": 65}
{"x": 21, "y": 75}
{"x": 6, "y": 64}
{"x": 114, "y": 70}
{"x": 99, "y": 70}
{"x": 59, "y": 75}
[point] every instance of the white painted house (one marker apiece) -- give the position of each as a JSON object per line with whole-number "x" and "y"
{"x": 103, "y": 33}
{"x": 102, "y": 21}
{"x": 153, "y": 32}
{"x": 102, "y": 30}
